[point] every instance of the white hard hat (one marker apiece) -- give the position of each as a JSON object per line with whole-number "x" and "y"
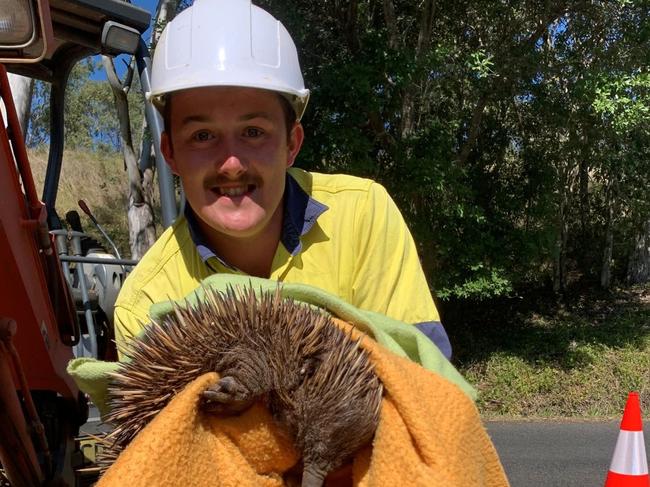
{"x": 227, "y": 43}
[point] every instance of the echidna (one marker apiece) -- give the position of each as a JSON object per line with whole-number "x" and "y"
{"x": 316, "y": 381}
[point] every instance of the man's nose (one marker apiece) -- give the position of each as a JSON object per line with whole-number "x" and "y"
{"x": 231, "y": 163}
{"x": 232, "y": 166}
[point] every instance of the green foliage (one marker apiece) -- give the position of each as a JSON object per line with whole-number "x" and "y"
{"x": 624, "y": 101}
{"x": 480, "y": 63}
{"x": 481, "y": 285}
{"x": 505, "y": 131}
{"x": 90, "y": 116}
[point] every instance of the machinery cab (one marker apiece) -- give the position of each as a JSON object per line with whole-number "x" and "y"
{"x": 55, "y": 295}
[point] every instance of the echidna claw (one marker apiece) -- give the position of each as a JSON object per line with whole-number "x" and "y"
{"x": 228, "y": 396}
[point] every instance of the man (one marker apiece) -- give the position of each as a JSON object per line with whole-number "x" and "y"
{"x": 226, "y": 78}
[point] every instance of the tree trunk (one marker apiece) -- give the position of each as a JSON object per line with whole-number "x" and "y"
{"x": 638, "y": 269}
{"x": 164, "y": 13}
{"x": 142, "y": 231}
{"x": 350, "y": 23}
{"x": 21, "y": 90}
{"x": 391, "y": 24}
{"x": 606, "y": 269}
{"x": 473, "y": 132}
{"x": 559, "y": 257}
{"x": 411, "y": 101}
{"x": 584, "y": 193}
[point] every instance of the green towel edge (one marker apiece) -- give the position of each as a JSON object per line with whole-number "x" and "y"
{"x": 92, "y": 375}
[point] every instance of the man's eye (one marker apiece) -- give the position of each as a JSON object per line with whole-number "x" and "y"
{"x": 203, "y": 135}
{"x": 253, "y": 132}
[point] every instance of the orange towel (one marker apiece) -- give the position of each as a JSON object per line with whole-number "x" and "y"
{"x": 429, "y": 434}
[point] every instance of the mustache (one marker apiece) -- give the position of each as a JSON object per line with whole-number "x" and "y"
{"x": 220, "y": 180}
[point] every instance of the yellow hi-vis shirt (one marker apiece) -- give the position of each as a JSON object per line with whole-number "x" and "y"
{"x": 357, "y": 247}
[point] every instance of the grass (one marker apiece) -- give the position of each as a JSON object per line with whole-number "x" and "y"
{"x": 576, "y": 359}
{"x": 101, "y": 181}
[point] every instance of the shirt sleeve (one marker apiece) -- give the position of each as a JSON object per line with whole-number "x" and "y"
{"x": 388, "y": 277}
{"x": 435, "y": 332}
{"x": 127, "y": 324}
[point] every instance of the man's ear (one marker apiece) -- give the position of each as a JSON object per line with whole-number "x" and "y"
{"x": 168, "y": 151}
{"x": 294, "y": 144}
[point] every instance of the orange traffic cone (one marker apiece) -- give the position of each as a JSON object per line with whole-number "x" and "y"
{"x": 629, "y": 467}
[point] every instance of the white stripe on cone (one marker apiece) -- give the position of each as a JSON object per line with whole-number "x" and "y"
{"x": 629, "y": 454}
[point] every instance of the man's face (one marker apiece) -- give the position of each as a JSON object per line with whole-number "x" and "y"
{"x": 230, "y": 148}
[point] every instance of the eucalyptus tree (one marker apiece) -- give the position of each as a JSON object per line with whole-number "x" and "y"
{"x": 481, "y": 118}
{"x": 427, "y": 97}
{"x": 90, "y": 119}
{"x": 141, "y": 216}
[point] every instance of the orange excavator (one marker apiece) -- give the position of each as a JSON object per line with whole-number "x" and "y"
{"x": 55, "y": 296}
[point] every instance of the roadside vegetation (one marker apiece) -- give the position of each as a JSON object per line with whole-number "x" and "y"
{"x": 539, "y": 358}
{"x": 97, "y": 177}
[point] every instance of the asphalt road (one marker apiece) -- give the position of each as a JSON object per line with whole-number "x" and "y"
{"x": 562, "y": 454}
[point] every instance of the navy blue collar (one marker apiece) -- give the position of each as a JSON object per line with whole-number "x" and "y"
{"x": 300, "y": 212}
